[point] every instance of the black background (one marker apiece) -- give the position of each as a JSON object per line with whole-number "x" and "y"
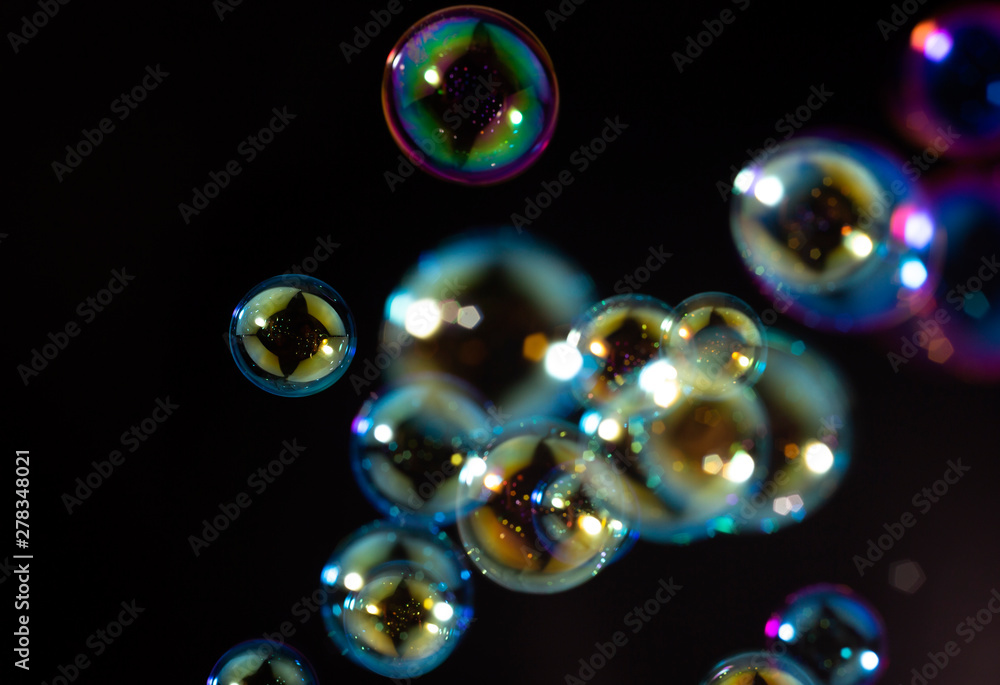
{"x": 323, "y": 176}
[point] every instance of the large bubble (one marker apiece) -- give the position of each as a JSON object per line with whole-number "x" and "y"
{"x": 758, "y": 668}
{"x": 839, "y": 232}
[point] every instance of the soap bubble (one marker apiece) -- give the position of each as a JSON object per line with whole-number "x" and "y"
{"x": 838, "y": 232}
{"x": 959, "y": 329}
{"x": 470, "y": 93}
{"x": 716, "y": 342}
{"x": 404, "y": 621}
{"x": 617, "y": 338}
{"x": 834, "y": 633}
{"x": 758, "y": 668}
{"x": 548, "y": 518}
{"x": 487, "y": 308}
{"x": 409, "y": 445}
{"x": 262, "y": 662}
{"x": 688, "y": 464}
{"x": 810, "y": 427}
{"x": 949, "y": 95}
{"x": 375, "y": 553}
{"x": 292, "y": 335}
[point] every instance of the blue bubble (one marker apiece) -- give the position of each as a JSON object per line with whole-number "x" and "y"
{"x": 292, "y": 335}
{"x": 262, "y": 662}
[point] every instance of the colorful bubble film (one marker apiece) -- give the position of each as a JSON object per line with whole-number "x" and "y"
{"x": 262, "y": 662}
{"x": 409, "y": 445}
{"x": 716, "y": 343}
{"x": 837, "y": 233}
{"x": 490, "y": 308}
{"x": 758, "y": 668}
{"x": 292, "y": 335}
{"x": 834, "y": 633}
{"x": 470, "y": 92}
{"x": 959, "y": 328}
{"x": 383, "y": 582}
{"x": 548, "y": 517}
{"x": 949, "y": 99}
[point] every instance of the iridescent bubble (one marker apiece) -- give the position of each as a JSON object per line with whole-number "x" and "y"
{"x": 834, "y": 633}
{"x": 262, "y": 662}
{"x": 838, "y": 233}
{"x": 409, "y": 445}
{"x": 810, "y": 437}
{"x": 374, "y": 554}
{"x": 292, "y": 335}
{"x": 616, "y": 339}
{"x": 959, "y": 329}
{"x": 470, "y": 92}
{"x": 949, "y": 94}
{"x": 688, "y": 464}
{"x": 757, "y": 668}
{"x": 404, "y": 621}
{"x": 545, "y": 521}
{"x": 488, "y": 308}
{"x": 716, "y": 342}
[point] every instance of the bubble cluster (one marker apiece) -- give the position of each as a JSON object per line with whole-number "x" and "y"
{"x": 949, "y": 94}
{"x": 833, "y": 632}
{"x": 471, "y": 93}
{"x": 757, "y": 668}
{"x": 489, "y": 308}
{"x": 716, "y": 343}
{"x": 262, "y": 662}
{"x": 292, "y": 335}
{"x": 385, "y": 584}
{"x": 548, "y": 518}
{"x": 810, "y": 428}
{"x": 409, "y": 445}
{"x": 616, "y": 338}
{"x": 837, "y": 230}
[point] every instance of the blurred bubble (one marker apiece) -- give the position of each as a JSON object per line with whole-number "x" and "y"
{"x": 617, "y": 338}
{"x": 757, "y": 668}
{"x": 404, "y": 621}
{"x": 949, "y": 84}
{"x": 409, "y": 445}
{"x": 688, "y": 464}
{"x": 810, "y": 426}
{"x": 262, "y": 662}
{"x": 906, "y": 576}
{"x": 959, "y": 329}
{"x": 525, "y": 295}
{"x": 716, "y": 343}
{"x": 394, "y": 558}
{"x": 292, "y": 335}
{"x": 834, "y": 633}
{"x": 471, "y": 93}
{"x": 548, "y": 518}
{"x": 838, "y": 232}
